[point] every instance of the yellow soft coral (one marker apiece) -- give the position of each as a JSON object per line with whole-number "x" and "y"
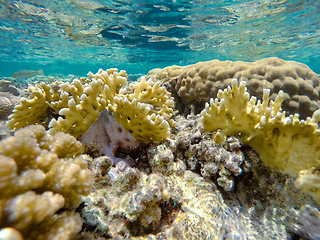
{"x": 151, "y": 93}
{"x": 309, "y": 182}
{"x": 78, "y": 103}
{"x": 87, "y": 101}
{"x": 137, "y": 118}
{"x": 146, "y": 104}
{"x": 144, "y": 109}
{"x": 283, "y": 143}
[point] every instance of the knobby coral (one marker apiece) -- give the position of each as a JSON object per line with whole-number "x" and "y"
{"x": 283, "y": 143}
{"x": 40, "y": 174}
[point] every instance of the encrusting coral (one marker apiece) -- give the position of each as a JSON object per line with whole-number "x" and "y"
{"x": 128, "y": 201}
{"x": 283, "y": 143}
{"x": 143, "y": 108}
{"x": 201, "y": 81}
{"x": 40, "y": 174}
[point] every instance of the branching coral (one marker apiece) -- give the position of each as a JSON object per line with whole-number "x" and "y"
{"x": 34, "y": 109}
{"x": 143, "y": 108}
{"x": 283, "y": 143}
{"x": 40, "y": 174}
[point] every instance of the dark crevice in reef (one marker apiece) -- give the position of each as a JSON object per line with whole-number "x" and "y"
{"x": 170, "y": 210}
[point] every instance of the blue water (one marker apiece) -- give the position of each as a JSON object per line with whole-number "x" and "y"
{"x": 74, "y": 37}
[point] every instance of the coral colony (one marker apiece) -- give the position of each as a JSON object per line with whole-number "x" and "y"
{"x": 213, "y": 150}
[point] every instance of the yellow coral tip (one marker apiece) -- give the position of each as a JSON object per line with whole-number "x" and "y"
{"x": 316, "y": 116}
{"x": 10, "y": 234}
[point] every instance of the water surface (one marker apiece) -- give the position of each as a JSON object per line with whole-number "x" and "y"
{"x": 69, "y": 36}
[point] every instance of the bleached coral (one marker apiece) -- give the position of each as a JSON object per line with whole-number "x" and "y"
{"x": 39, "y": 175}
{"x": 106, "y": 135}
{"x": 130, "y": 203}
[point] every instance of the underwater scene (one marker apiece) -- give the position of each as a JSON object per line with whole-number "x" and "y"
{"x": 160, "y": 120}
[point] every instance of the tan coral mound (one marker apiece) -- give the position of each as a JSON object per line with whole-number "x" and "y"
{"x": 7, "y": 103}
{"x": 283, "y": 143}
{"x": 201, "y": 81}
{"x": 39, "y": 174}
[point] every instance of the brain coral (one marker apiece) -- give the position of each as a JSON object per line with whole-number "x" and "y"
{"x": 40, "y": 174}
{"x": 201, "y": 81}
{"x": 7, "y": 103}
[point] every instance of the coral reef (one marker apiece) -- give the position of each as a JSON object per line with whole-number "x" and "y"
{"x": 127, "y": 201}
{"x": 240, "y": 169}
{"x": 142, "y": 108}
{"x": 201, "y": 81}
{"x": 39, "y": 175}
{"x": 133, "y": 204}
{"x": 219, "y": 189}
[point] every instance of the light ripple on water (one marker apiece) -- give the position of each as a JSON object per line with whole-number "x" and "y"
{"x": 141, "y": 35}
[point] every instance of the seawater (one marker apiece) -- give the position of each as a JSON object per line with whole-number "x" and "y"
{"x": 74, "y": 37}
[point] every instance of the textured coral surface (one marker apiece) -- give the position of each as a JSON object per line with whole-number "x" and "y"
{"x": 7, "y": 103}
{"x": 201, "y": 81}
{"x": 39, "y": 175}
